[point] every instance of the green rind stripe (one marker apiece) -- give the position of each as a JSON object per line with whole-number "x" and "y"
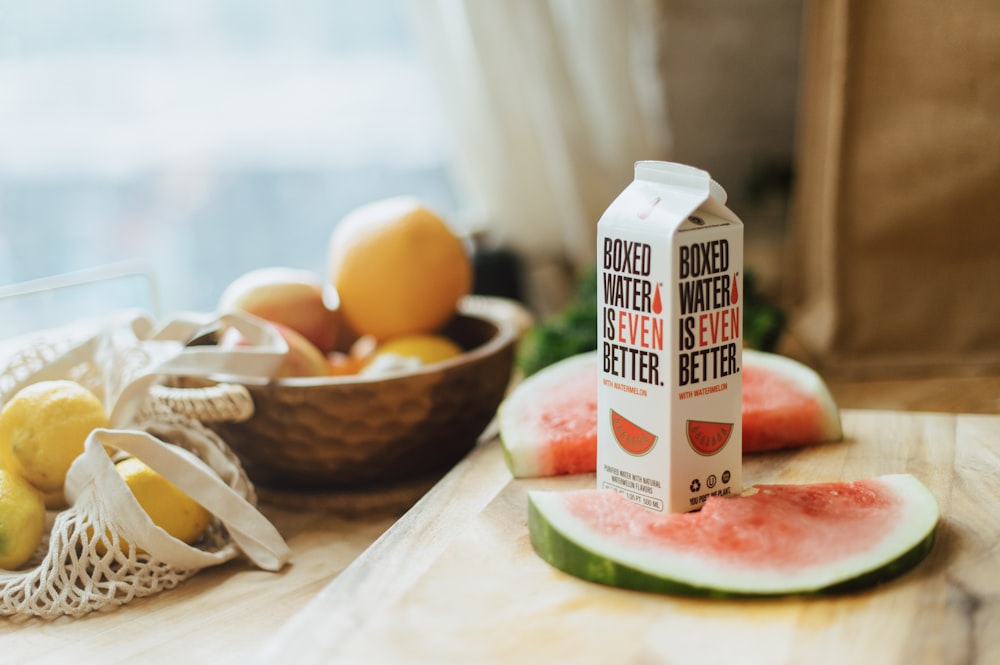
{"x": 570, "y": 557}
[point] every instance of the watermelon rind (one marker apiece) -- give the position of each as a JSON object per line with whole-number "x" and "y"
{"x": 571, "y": 545}
{"x": 518, "y": 435}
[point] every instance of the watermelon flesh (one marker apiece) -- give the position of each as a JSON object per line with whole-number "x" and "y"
{"x": 548, "y": 424}
{"x": 774, "y": 540}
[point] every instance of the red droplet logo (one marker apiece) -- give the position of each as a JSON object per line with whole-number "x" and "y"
{"x": 735, "y": 295}
{"x": 657, "y": 303}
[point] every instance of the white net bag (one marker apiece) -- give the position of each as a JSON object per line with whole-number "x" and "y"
{"x": 104, "y": 550}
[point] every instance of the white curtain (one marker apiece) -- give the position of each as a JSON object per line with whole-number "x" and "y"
{"x": 550, "y": 103}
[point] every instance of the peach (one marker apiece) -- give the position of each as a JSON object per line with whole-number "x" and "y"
{"x": 303, "y": 358}
{"x": 287, "y": 296}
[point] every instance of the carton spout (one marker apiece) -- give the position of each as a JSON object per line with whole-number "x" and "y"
{"x": 670, "y": 173}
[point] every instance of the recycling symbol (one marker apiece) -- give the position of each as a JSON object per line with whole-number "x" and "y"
{"x": 695, "y": 485}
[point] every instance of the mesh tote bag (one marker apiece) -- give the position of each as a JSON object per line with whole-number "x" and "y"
{"x": 103, "y": 550}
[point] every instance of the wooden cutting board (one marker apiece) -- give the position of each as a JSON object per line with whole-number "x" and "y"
{"x": 456, "y": 580}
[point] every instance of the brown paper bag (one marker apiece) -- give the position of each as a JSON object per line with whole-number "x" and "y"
{"x": 895, "y": 249}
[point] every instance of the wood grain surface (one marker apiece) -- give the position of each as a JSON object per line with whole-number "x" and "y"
{"x": 220, "y": 612}
{"x": 456, "y": 580}
{"x": 419, "y": 581}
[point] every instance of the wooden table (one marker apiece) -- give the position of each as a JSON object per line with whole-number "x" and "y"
{"x": 454, "y": 580}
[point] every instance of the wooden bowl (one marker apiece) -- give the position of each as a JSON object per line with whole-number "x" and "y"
{"x": 361, "y": 433}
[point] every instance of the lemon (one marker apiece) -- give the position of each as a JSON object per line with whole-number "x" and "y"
{"x": 170, "y": 509}
{"x": 398, "y": 268}
{"x": 22, "y": 520}
{"x": 53, "y": 500}
{"x": 43, "y": 428}
{"x": 425, "y": 348}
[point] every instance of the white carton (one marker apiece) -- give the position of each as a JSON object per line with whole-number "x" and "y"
{"x": 670, "y": 305}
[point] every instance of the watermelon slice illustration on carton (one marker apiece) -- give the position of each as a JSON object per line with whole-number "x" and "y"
{"x": 708, "y": 438}
{"x": 778, "y": 540}
{"x": 636, "y": 440}
{"x": 548, "y": 424}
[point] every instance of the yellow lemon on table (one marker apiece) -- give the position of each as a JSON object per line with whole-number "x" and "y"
{"x": 22, "y": 520}
{"x": 43, "y": 428}
{"x": 55, "y": 500}
{"x": 170, "y": 508}
{"x": 397, "y": 268}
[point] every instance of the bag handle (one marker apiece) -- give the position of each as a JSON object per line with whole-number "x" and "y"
{"x": 165, "y": 351}
{"x": 251, "y": 531}
{"x": 263, "y": 355}
{"x": 219, "y": 402}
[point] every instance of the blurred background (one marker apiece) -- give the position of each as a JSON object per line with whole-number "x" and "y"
{"x": 195, "y": 140}
{"x": 200, "y": 139}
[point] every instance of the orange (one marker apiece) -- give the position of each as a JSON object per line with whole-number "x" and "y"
{"x": 398, "y": 268}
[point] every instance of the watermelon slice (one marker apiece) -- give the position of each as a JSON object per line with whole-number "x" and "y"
{"x": 776, "y": 541}
{"x": 548, "y": 424}
{"x": 785, "y": 404}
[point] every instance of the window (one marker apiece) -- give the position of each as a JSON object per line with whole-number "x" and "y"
{"x": 204, "y": 137}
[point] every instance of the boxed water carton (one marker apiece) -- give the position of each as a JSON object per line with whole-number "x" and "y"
{"x": 670, "y": 304}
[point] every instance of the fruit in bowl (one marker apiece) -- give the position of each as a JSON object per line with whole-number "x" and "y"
{"x": 303, "y": 358}
{"x": 290, "y": 297}
{"x": 363, "y": 431}
{"x": 395, "y": 275}
{"x": 416, "y": 371}
{"x": 397, "y": 268}
{"x": 408, "y": 352}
